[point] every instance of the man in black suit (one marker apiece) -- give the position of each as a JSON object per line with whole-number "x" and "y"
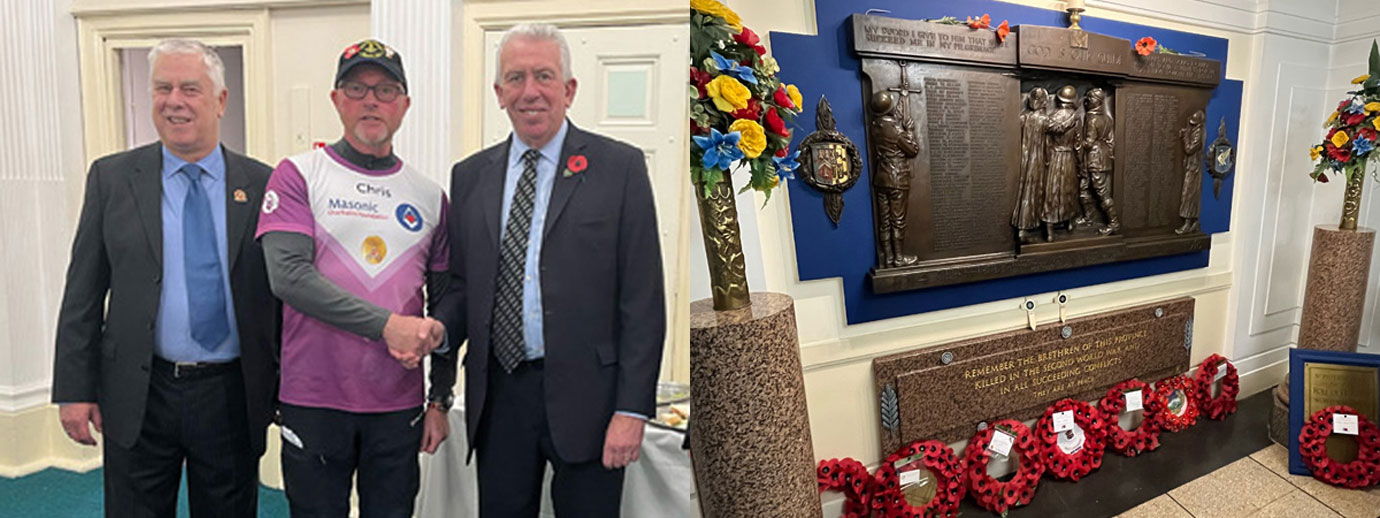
{"x": 556, "y": 282}
{"x": 180, "y": 366}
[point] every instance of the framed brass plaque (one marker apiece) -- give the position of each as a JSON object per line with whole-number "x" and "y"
{"x": 1319, "y": 379}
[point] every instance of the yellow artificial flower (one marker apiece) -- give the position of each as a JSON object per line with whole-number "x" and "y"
{"x": 1340, "y": 139}
{"x": 711, "y": 7}
{"x": 1331, "y": 119}
{"x": 1315, "y": 152}
{"x": 1375, "y": 122}
{"x": 728, "y": 94}
{"x": 794, "y": 94}
{"x": 752, "y": 138}
{"x": 1372, "y": 107}
{"x": 1357, "y": 81}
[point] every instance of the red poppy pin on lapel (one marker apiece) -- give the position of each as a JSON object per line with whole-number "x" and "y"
{"x": 575, "y": 165}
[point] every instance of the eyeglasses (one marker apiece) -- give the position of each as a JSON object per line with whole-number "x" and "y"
{"x": 384, "y": 92}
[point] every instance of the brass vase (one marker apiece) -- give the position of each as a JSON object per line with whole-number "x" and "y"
{"x": 723, "y": 245}
{"x": 1351, "y": 204}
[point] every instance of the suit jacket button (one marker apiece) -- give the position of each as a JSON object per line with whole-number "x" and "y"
{"x": 144, "y": 367}
{"x": 157, "y": 278}
{"x": 150, "y": 325}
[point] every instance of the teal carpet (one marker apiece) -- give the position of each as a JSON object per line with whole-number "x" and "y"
{"x": 55, "y": 493}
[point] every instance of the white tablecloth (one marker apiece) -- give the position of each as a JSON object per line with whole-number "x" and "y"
{"x": 657, "y": 486}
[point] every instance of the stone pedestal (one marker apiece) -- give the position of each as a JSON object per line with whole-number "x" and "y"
{"x": 750, "y": 435}
{"x": 1333, "y": 303}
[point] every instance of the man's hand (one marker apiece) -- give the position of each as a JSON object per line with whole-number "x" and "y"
{"x": 623, "y": 441}
{"x": 435, "y": 429}
{"x": 74, "y": 417}
{"x": 410, "y": 339}
{"x": 437, "y": 334}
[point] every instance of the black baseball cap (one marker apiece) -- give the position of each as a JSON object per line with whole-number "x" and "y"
{"x": 371, "y": 51}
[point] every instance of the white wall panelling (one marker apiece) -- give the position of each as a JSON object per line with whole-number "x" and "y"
{"x": 421, "y": 31}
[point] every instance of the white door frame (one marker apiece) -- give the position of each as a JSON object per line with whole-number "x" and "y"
{"x": 103, "y": 37}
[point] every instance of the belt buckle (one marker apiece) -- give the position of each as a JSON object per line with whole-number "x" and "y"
{"x": 178, "y": 366}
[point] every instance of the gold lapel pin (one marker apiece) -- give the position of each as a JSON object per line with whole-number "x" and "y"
{"x": 240, "y": 196}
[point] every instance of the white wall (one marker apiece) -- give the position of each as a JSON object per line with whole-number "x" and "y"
{"x": 1248, "y": 298}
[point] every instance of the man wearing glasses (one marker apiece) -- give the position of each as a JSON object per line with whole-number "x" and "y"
{"x": 352, "y": 236}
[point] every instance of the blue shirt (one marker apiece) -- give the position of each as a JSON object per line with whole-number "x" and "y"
{"x": 173, "y": 339}
{"x": 532, "y": 336}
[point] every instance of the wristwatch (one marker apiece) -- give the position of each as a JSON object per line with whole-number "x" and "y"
{"x": 442, "y": 402}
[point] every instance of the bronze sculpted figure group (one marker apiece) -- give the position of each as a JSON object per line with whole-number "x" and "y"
{"x": 1191, "y": 201}
{"x": 893, "y": 139}
{"x": 1066, "y": 165}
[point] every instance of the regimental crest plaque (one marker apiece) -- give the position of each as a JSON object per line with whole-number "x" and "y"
{"x": 829, "y": 161}
{"x": 1221, "y": 159}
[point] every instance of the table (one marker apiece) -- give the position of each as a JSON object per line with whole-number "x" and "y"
{"x": 657, "y": 485}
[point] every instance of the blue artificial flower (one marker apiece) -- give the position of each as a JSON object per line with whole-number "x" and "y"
{"x": 786, "y": 165}
{"x": 720, "y": 150}
{"x": 732, "y": 68}
{"x": 1356, "y": 106}
{"x": 1362, "y": 146}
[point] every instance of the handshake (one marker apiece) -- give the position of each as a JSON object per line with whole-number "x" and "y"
{"x": 410, "y": 339}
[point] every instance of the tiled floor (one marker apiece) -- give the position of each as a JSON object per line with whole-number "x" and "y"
{"x": 1260, "y": 486}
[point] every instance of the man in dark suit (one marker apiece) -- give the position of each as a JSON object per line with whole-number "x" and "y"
{"x": 180, "y": 366}
{"x": 556, "y": 282}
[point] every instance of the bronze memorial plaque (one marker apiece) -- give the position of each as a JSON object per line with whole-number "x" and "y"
{"x": 943, "y": 392}
{"x": 1053, "y": 149}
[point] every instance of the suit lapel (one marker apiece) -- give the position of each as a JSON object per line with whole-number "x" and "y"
{"x": 491, "y": 189}
{"x": 237, "y": 213}
{"x": 147, "y": 184}
{"x": 565, "y": 185}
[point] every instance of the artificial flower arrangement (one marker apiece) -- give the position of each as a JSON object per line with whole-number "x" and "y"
{"x": 983, "y": 22}
{"x": 1353, "y": 129}
{"x": 740, "y": 112}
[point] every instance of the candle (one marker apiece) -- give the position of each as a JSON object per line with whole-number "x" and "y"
{"x": 1074, "y": 4}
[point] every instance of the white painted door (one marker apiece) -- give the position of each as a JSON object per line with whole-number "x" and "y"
{"x": 632, "y": 88}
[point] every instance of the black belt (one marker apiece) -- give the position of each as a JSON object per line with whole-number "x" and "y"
{"x": 193, "y": 370}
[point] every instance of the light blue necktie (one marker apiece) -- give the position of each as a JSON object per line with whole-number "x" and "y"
{"x": 205, "y": 284}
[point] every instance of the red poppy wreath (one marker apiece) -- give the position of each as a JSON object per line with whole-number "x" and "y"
{"x": 850, "y": 477}
{"x": 936, "y": 457}
{"x": 1143, "y": 438}
{"x": 1362, "y": 472}
{"x": 1225, "y": 403}
{"x": 990, "y": 493}
{"x": 1180, "y": 405}
{"x": 1071, "y": 453}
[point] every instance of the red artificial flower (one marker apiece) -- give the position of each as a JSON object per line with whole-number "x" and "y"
{"x": 783, "y": 100}
{"x": 776, "y": 125}
{"x": 1340, "y": 154}
{"x": 1355, "y": 118}
{"x": 1369, "y": 133}
{"x": 749, "y": 38}
{"x": 1322, "y": 178}
{"x": 1146, "y": 45}
{"x": 1342, "y": 105}
{"x": 700, "y": 78}
{"x": 981, "y": 23}
{"x": 577, "y": 163}
{"x": 1003, "y": 30}
{"x": 753, "y": 111}
{"x": 781, "y": 153}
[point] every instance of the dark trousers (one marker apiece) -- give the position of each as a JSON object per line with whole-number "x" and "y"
{"x": 199, "y": 419}
{"x": 324, "y": 448}
{"x": 514, "y": 447}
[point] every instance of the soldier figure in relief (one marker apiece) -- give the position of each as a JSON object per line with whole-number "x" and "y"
{"x": 893, "y": 138}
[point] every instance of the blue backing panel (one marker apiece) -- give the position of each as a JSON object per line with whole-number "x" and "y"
{"x": 825, "y": 65}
